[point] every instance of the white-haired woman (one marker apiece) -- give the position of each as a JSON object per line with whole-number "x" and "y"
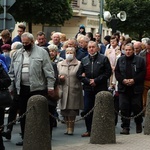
{"x": 53, "y": 52}
{"x": 72, "y": 98}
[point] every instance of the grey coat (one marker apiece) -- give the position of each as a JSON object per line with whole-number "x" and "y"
{"x": 72, "y": 97}
{"x": 41, "y": 73}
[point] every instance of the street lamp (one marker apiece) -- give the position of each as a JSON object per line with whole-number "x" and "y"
{"x": 113, "y": 18}
{"x": 101, "y": 3}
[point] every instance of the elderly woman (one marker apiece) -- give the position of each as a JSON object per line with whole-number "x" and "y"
{"x": 72, "y": 98}
{"x": 53, "y": 52}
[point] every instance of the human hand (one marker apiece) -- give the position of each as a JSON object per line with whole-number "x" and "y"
{"x": 61, "y": 77}
{"x": 92, "y": 82}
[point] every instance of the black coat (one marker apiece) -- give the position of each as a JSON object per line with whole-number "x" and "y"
{"x": 137, "y": 72}
{"x": 5, "y": 80}
{"x": 97, "y": 68}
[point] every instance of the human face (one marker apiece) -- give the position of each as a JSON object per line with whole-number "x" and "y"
{"x": 56, "y": 39}
{"x": 97, "y": 37}
{"x": 137, "y": 48}
{"x": 113, "y": 42}
{"x": 20, "y": 31}
{"x": 26, "y": 41}
{"x": 71, "y": 43}
{"x": 92, "y": 48}
{"x": 5, "y": 40}
{"x": 83, "y": 43}
{"x": 41, "y": 40}
{"x": 70, "y": 55}
{"x": 53, "y": 54}
{"x": 129, "y": 51}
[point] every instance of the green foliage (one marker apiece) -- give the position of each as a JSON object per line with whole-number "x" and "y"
{"x": 52, "y": 12}
{"x": 138, "y": 16}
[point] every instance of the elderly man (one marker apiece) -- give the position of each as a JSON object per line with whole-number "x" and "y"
{"x": 130, "y": 73}
{"x": 56, "y": 40}
{"x": 137, "y": 47}
{"x": 41, "y": 39}
{"x": 93, "y": 72}
{"x": 32, "y": 73}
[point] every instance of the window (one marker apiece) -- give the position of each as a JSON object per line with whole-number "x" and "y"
{"x": 84, "y": 1}
{"x": 94, "y": 2}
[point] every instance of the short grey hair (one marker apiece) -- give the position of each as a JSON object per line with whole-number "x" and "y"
{"x": 130, "y": 44}
{"x": 94, "y": 43}
{"x": 53, "y": 47}
{"x": 28, "y": 35}
{"x": 16, "y": 45}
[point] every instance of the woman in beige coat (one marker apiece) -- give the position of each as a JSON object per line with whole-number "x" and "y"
{"x": 72, "y": 98}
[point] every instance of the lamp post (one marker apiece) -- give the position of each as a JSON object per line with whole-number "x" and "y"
{"x": 101, "y": 3}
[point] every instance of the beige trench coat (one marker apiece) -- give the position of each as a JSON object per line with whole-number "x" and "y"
{"x": 72, "y": 95}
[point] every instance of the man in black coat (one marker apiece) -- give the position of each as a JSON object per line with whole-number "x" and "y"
{"x": 130, "y": 72}
{"x": 93, "y": 72}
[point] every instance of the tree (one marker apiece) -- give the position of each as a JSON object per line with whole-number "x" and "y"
{"x": 138, "y": 18}
{"x": 52, "y": 12}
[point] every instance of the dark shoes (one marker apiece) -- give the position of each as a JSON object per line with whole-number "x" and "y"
{"x": 19, "y": 143}
{"x": 86, "y": 134}
{"x": 138, "y": 128}
{"x": 7, "y": 134}
{"x": 125, "y": 131}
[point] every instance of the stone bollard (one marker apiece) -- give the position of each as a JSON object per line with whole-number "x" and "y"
{"x": 147, "y": 115}
{"x": 37, "y": 128}
{"x": 103, "y": 125}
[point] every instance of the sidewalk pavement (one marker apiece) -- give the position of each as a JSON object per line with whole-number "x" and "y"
{"x": 76, "y": 142}
{"x": 124, "y": 142}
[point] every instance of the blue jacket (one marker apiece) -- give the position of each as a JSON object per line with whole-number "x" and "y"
{"x": 81, "y": 53}
{"x": 16, "y": 39}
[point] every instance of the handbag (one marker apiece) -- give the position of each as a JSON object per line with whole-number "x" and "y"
{"x": 5, "y": 98}
{"x": 57, "y": 94}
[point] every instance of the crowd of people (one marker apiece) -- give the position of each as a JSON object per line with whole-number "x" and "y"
{"x": 79, "y": 67}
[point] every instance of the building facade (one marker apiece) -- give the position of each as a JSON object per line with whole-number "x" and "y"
{"x": 85, "y": 12}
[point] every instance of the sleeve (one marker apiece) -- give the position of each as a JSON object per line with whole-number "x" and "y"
{"x": 107, "y": 72}
{"x": 118, "y": 75}
{"x": 48, "y": 71}
{"x": 5, "y": 80}
{"x": 80, "y": 71}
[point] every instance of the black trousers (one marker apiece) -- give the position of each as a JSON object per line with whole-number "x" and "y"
{"x": 129, "y": 103}
{"x": 1, "y": 143}
{"x": 2, "y": 112}
{"x": 24, "y": 96}
{"x": 89, "y": 101}
{"x": 13, "y": 110}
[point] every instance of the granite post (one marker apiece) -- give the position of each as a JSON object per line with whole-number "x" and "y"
{"x": 103, "y": 125}
{"x": 147, "y": 115}
{"x": 37, "y": 127}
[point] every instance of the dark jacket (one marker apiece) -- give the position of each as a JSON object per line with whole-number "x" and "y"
{"x": 81, "y": 53}
{"x": 16, "y": 39}
{"x": 97, "y": 68}
{"x": 5, "y": 80}
{"x": 138, "y": 70}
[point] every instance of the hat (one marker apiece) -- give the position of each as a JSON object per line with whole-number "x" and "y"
{"x": 6, "y": 47}
{"x": 107, "y": 38}
{"x": 82, "y": 26}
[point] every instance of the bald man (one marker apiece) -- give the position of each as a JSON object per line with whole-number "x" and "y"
{"x": 137, "y": 47}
